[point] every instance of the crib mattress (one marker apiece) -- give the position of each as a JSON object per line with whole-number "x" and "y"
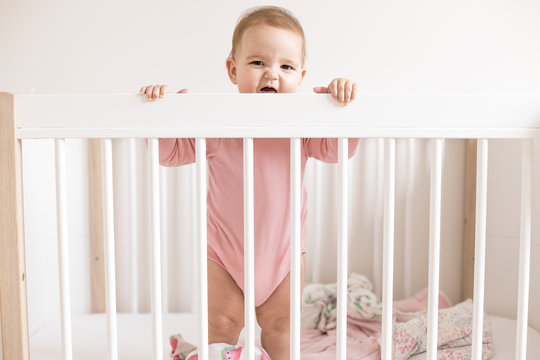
{"x": 134, "y": 337}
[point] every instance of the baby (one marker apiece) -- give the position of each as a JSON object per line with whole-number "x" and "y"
{"x": 267, "y": 56}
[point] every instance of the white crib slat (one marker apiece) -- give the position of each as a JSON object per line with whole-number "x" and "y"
{"x": 524, "y": 250}
{"x": 134, "y": 234}
{"x": 388, "y": 250}
{"x": 316, "y": 246}
{"x": 295, "y": 228}
{"x": 409, "y": 215}
{"x": 200, "y": 154}
{"x": 164, "y": 225}
{"x": 63, "y": 250}
{"x": 480, "y": 248}
{"x": 343, "y": 164}
{"x": 379, "y": 214}
{"x": 156, "y": 300}
{"x": 249, "y": 252}
{"x": 108, "y": 232}
{"x": 194, "y": 237}
{"x": 434, "y": 246}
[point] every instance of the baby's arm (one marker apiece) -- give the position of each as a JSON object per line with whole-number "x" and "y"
{"x": 343, "y": 90}
{"x": 172, "y": 151}
{"x": 326, "y": 149}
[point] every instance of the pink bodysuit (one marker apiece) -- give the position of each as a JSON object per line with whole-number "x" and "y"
{"x": 271, "y": 189}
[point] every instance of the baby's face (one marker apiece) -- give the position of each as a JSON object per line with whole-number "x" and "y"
{"x": 268, "y": 60}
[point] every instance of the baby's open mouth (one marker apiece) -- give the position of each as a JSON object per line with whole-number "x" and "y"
{"x": 268, "y": 89}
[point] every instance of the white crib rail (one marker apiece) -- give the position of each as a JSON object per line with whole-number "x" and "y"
{"x": 295, "y": 229}
{"x": 134, "y": 234}
{"x": 480, "y": 248}
{"x": 156, "y": 297}
{"x": 108, "y": 225}
{"x": 200, "y": 153}
{"x": 343, "y": 241}
{"x": 434, "y": 246}
{"x": 524, "y": 250}
{"x": 283, "y": 115}
{"x": 249, "y": 249}
{"x": 388, "y": 249}
{"x": 290, "y": 116}
{"x": 63, "y": 248}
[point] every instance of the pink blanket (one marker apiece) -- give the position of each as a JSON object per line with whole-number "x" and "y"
{"x": 318, "y": 339}
{"x": 361, "y": 334}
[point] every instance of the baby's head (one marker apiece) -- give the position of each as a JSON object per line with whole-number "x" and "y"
{"x": 268, "y": 52}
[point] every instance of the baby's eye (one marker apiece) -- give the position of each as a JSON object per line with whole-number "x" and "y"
{"x": 286, "y": 67}
{"x": 257, "y": 62}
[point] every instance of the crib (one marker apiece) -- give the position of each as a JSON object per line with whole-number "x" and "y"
{"x": 385, "y": 117}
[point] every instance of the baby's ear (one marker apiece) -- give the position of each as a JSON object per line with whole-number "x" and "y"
{"x": 302, "y": 78}
{"x": 231, "y": 69}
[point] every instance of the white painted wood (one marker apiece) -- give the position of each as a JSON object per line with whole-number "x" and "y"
{"x": 317, "y": 244}
{"x": 108, "y": 233}
{"x": 524, "y": 250}
{"x": 304, "y": 115}
{"x": 200, "y": 155}
{"x": 63, "y": 248}
{"x": 133, "y": 226}
{"x": 296, "y": 233}
{"x": 409, "y": 214}
{"x": 388, "y": 250}
{"x": 283, "y": 132}
{"x": 249, "y": 251}
{"x": 480, "y": 248}
{"x": 343, "y": 165}
{"x": 195, "y": 237}
{"x": 434, "y": 246}
{"x": 379, "y": 216}
{"x": 164, "y": 225}
{"x": 155, "y": 224}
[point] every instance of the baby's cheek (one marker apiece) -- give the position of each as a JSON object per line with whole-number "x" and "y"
{"x": 245, "y": 88}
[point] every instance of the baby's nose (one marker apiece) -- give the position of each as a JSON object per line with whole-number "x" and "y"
{"x": 271, "y": 74}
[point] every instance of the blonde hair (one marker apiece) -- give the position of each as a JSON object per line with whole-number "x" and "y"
{"x": 269, "y": 15}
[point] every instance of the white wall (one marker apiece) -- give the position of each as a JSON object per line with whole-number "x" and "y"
{"x": 485, "y": 46}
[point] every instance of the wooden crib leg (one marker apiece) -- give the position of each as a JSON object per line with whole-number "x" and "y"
{"x": 13, "y": 305}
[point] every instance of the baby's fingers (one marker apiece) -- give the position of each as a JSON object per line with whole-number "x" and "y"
{"x": 333, "y": 87}
{"x": 350, "y": 91}
{"x": 153, "y": 92}
{"x": 321, "y": 90}
{"x": 341, "y": 88}
{"x": 160, "y": 91}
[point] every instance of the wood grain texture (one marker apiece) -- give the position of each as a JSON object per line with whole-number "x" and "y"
{"x": 467, "y": 277}
{"x": 95, "y": 199}
{"x": 13, "y": 302}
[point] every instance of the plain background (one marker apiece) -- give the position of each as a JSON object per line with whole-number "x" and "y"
{"x": 417, "y": 46}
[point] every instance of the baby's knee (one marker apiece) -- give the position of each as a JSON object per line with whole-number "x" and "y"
{"x": 224, "y": 324}
{"x": 276, "y": 325}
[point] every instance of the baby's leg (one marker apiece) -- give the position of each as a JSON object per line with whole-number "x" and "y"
{"x": 273, "y": 317}
{"x": 225, "y": 306}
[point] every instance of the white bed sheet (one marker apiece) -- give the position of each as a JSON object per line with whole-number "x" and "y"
{"x": 135, "y": 337}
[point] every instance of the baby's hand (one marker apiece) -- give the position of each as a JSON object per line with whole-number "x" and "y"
{"x": 343, "y": 90}
{"x": 154, "y": 92}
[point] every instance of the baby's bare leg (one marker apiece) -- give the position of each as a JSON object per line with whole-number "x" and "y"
{"x": 225, "y": 306}
{"x": 273, "y": 317}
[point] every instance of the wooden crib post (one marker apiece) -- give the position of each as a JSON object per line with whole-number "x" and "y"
{"x": 467, "y": 275}
{"x": 13, "y": 305}
{"x": 97, "y": 250}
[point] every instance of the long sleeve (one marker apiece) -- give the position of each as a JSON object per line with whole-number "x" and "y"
{"x": 176, "y": 151}
{"x": 326, "y": 149}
